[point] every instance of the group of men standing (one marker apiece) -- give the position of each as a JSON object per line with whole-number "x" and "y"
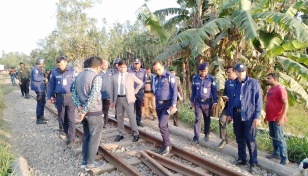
{"x": 97, "y": 88}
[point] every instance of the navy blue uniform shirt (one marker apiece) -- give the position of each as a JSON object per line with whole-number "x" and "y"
{"x": 37, "y": 79}
{"x": 250, "y": 97}
{"x": 203, "y": 88}
{"x": 166, "y": 87}
{"x": 60, "y": 82}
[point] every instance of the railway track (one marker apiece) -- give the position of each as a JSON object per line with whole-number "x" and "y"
{"x": 139, "y": 158}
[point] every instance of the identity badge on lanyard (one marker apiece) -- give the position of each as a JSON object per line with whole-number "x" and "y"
{"x": 204, "y": 90}
{"x": 64, "y": 82}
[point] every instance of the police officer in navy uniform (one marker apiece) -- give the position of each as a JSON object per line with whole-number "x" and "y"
{"x": 244, "y": 108}
{"x": 59, "y": 92}
{"x": 166, "y": 97}
{"x": 38, "y": 85}
{"x": 141, "y": 74}
{"x": 203, "y": 99}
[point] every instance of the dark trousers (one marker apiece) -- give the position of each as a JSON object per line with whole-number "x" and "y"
{"x": 279, "y": 142}
{"x": 202, "y": 109}
{"x": 138, "y": 105}
{"x": 25, "y": 85}
{"x": 40, "y": 104}
{"x": 245, "y": 135}
{"x": 22, "y": 91}
{"x": 223, "y": 123}
{"x": 163, "y": 118}
{"x": 92, "y": 131}
{"x": 66, "y": 115}
{"x": 105, "y": 108}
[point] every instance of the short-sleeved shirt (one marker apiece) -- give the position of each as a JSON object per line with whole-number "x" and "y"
{"x": 274, "y": 103}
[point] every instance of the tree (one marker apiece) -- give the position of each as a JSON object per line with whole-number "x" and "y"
{"x": 257, "y": 33}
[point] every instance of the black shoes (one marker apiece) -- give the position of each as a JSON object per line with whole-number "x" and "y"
{"x": 175, "y": 124}
{"x": 136, "y": 138}
{"x": 222, "y": 143}
{"x": 27, "y": 96}
{"x": 140, "y": 124}
{"x": 239, "y": 162}
{"x": 164, "y": 150}
{"x": 206, "y": 137}
{"x": 161, "y": 149}
{"x": 252, "y": 168}
{"x": 272, "y": 156}
{"x": 41, "y": 121}
{"x": 118, "y": 138}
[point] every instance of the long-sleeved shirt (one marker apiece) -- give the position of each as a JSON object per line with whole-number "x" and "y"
{"x": 249, "y": 98}
{"x": 85, "y": 92}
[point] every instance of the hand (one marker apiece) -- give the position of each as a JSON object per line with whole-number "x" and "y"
{"x": 80, "y": 116}
{"x": 280, "y": 121}
{"x": 79, "y": 109}
{"x": 214, "y": 106}
{"x": 225, "y": 98}
{"x": 229, "y": 119}
{"x": 192, "y": 105}
{"x": 256, "y": 123}
{"x": 112, "y": 105}
{"x": 265, "y": 121}
{"x": 20, "y": 83}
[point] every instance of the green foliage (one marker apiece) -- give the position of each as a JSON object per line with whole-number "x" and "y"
{"x": 6, "y": 157}
{"x": 297, "y": 144}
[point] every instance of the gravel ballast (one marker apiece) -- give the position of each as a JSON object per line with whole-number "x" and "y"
{"x": 48, "y": 155}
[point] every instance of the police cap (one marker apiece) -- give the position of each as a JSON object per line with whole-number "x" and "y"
{"x": 240, "y": 67}
{"x": 203, "y": 66}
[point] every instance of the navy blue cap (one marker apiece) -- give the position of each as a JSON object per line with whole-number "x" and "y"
{"x": 137, "y": 60}
{"x": 240, "y": 67}
{"x": 203, "y": 66}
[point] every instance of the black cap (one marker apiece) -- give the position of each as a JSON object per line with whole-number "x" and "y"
{"x": 240, "y": 67}
{"x": 203, "y": 66}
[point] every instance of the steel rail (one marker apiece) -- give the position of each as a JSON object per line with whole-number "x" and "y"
{"x": 173, "y": 165}
{"x": 130, "y": 171}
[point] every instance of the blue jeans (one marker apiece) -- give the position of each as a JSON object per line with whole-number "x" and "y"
{"x": 92, "y": 131}
{"x": 279, "y": 142}
{"x": 13, "y": 80}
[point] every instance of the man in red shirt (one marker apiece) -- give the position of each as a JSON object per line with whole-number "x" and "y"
{"x": 276, "y": 116}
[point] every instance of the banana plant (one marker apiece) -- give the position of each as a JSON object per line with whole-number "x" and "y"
{"x": 261, "y": 34}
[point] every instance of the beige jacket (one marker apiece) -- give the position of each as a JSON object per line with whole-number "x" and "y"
{"x": 130, "y": 79}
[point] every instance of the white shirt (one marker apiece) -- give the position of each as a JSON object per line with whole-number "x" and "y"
{"x": 119, "y": 82}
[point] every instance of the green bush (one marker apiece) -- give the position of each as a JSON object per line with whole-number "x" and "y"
{"x": 6, "y": 156}
{"x": 297, "y": 146}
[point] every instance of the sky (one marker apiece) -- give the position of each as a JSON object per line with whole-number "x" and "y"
{"x": 24, "y": 22}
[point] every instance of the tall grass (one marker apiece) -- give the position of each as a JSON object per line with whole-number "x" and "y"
{"x": 6, "y": 156}
{"x": 297, "y": 145}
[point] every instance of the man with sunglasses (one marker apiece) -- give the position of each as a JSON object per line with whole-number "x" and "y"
{"x": 203, "y": 100}
{"x": 141, "y": 74}
{"x": 244, "y": 108}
